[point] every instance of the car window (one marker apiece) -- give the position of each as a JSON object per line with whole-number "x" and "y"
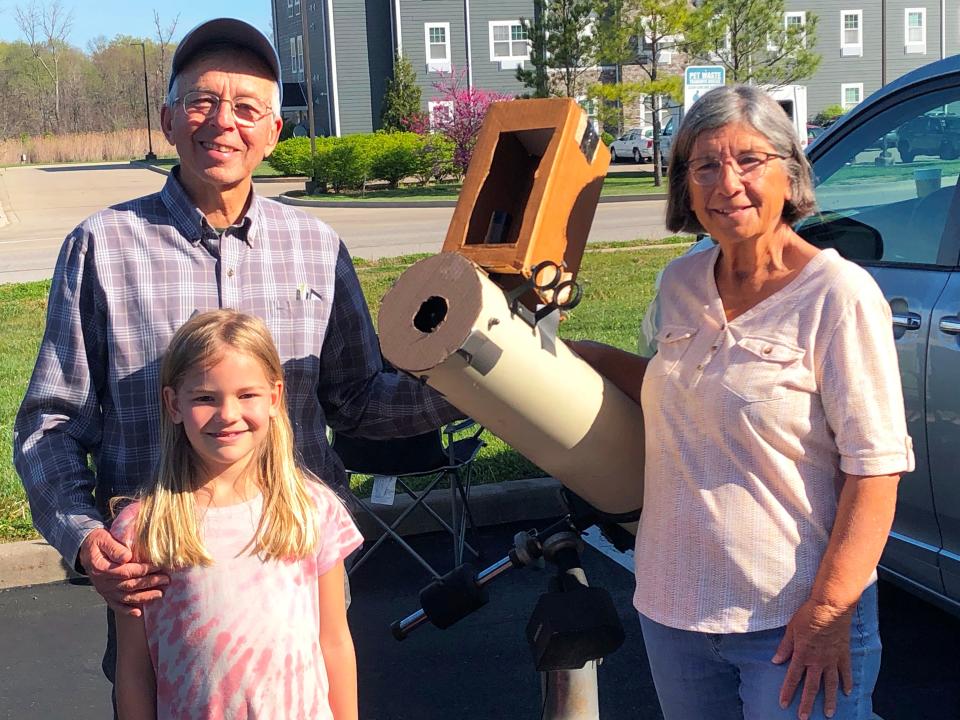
{"x": 886, "y": 189}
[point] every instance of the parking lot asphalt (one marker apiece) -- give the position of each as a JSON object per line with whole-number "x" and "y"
{"x": 481, "y": 668}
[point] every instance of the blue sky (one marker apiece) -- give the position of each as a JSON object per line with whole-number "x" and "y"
{"x": 134, "y": 17}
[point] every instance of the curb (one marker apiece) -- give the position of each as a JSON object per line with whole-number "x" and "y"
{"x": 267, "y": 179}
{"x": 34, "y": 562}
{"x": 298, "y": 202}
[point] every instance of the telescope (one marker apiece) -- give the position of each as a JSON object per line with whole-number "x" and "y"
{"x": 478, "y": 321}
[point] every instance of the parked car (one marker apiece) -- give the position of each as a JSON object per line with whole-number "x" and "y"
{"x": 900, "y": 223}
{"x": 633, "y": 144}
{"x": 930, "y": 134}
{"x": 813, "y": 132}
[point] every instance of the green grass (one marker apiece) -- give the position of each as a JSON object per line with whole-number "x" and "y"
{"x": 22, "y": 315}
{"x": 636, "y": 182}
{"x": 617, "y": 279}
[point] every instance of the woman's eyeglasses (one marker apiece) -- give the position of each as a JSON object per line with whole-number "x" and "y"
{"x": 748, "y": 166}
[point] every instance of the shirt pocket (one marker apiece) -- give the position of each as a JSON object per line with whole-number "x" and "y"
{"x": 298, "y": 327}
{"x": 673, "y": 341}
{"x": 757, "y": 366}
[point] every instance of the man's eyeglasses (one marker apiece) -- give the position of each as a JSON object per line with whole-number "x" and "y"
{"x": 748, "y": 166}
{"x": 247, "y": 111}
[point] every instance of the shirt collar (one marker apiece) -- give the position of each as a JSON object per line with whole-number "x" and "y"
{"x": 192, "y": 223}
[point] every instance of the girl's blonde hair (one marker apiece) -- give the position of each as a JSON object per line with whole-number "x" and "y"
{"x": 168, "y": 530}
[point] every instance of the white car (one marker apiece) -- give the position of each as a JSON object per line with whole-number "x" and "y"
{"x": 636, "y": 145}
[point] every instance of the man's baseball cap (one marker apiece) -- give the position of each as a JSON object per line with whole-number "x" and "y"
{"x": 225, "y": 31}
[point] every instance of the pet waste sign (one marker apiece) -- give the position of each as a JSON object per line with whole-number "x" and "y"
{"x": 700, "y": 79}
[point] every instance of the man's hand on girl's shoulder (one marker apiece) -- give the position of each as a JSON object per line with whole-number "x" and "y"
{"x": 124, "y": 584}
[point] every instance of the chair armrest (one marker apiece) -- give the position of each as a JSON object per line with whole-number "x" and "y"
{"x": 455, "y": 427}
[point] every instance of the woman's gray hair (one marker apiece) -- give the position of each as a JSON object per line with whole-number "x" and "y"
{"x": 738, "y": 104}
{"x": 233, "y": 53}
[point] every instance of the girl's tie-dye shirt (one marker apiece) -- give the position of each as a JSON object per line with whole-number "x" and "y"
{"x": 240, "y": 639}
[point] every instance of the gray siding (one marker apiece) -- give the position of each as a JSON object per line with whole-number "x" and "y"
{"x": 287, "y": 27}
{"x": 290, "y": 26}
{"x": 824, "y": 88}
{"x": 414, "y": 15}
{"x": 352, "y": 67}
{"x": 320, "y": 68}
{"x": 486, "y": 73}
{"x": 380, "y": 54}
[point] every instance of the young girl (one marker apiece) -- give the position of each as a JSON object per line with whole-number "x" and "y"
{"x": 253, "y": 623}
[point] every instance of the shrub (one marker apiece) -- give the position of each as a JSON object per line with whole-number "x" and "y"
{"x": 394, "y": 156}
{"x": 434, "y": 158}
{"x": 292, "y": 157}
{"x": 343, "y": 163}
{"x": 607, "y": 138}
{"x": 828, "y": 115}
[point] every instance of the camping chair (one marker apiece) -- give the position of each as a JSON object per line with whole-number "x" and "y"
{"x": 403, "y": 458}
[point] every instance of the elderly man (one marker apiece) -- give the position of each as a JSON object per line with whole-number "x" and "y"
{"x": 128, "y": 276}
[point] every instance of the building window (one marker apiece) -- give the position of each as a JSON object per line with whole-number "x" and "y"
{"x": 915, "y": 31}
{"x": 296, "y": 56}
{"x": 851, "y": 32}
{"x": 509, "y": 44}
{"x": 798, "y": 20}
{"x": 437, "y": 38}
{"x": 439, "y": 110}
{"x": 289, "y": 8}
{"x": 850, "y": 95}
{"x": 296, "y": 7}
{"x": 300, "y": 55}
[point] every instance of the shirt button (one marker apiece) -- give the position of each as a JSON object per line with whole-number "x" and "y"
{"x": 767, "y": 350}
{"x": 700, "y": 367}
{"x": 230, "y": 272}
{"x": 714, "y": 347}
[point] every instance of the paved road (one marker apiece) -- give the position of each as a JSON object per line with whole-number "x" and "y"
{"x": 44, "y": 203}
{"x": 477, "y": 670}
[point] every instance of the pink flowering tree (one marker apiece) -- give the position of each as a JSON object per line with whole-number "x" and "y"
{"x": 458, "y": 113}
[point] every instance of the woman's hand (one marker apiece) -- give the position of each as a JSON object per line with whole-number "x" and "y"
{"x": 817, "y": 643}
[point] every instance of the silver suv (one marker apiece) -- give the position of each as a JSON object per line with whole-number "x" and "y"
{"x": 901, "y": 221}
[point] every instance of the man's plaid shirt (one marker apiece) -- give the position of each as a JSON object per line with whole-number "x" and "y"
{"x": 125, "y": 280}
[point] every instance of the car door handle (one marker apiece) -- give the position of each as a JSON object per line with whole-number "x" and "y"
{"x": 950, "y": 324}
{"x": 910, "y": 321}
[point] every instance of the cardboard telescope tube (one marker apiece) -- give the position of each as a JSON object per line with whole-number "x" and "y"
{"x": 447, "y": 323}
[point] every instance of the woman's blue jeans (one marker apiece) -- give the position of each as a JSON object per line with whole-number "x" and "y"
{"x": 730, "y": 677}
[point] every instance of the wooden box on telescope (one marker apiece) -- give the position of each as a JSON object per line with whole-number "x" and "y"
{"x": 531, "y": 189}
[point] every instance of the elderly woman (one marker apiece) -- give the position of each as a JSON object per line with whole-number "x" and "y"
{"x": 775, "y": 437}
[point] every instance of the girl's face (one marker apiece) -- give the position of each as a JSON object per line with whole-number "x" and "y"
{"x": 225, "y": 410}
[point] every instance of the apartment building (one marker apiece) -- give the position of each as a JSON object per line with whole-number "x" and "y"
{"x": 863, "y": 48}
{"x": 352, "y": 43}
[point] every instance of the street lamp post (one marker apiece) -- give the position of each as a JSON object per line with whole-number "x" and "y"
{"x": 150, "y": 156}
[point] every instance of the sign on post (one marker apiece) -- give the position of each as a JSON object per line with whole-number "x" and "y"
{"x": 698, "y": 79}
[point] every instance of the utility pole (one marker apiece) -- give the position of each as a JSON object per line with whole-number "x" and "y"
{"x": 149, "y": 157}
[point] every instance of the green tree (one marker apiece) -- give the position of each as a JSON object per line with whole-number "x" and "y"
{"x": 535, "y": 77}
{"x": 403, "y": 97}
{"x": 638, "y": 32}
{"x": 562, "y": 39}
{"x": 752, "y": 41}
